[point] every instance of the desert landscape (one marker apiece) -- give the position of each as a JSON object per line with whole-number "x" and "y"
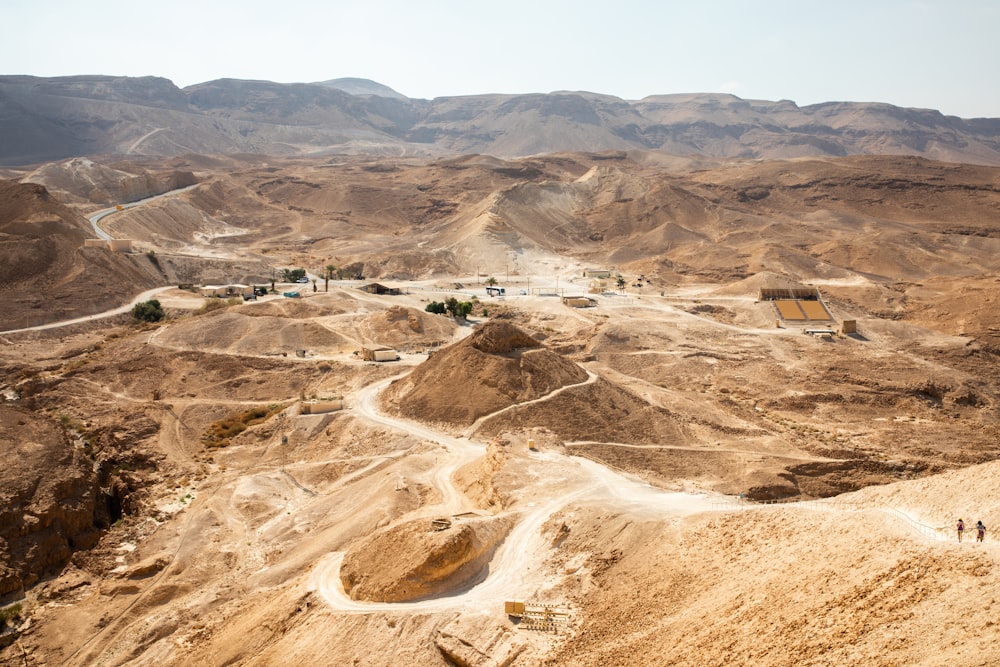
{"x": 725, "y": 411}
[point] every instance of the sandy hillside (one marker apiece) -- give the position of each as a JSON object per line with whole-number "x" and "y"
{"x": 680, "y": 475}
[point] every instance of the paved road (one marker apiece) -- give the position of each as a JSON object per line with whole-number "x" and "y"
{"x": 103, "y": 213}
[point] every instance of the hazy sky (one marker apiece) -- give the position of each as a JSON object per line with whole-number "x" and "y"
{"x": 938, "y": 54}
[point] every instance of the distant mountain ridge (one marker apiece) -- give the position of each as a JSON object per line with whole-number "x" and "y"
{"x": 55, "y": 118}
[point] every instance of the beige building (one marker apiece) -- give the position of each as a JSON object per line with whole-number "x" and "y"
{"x": 579, "y": 301}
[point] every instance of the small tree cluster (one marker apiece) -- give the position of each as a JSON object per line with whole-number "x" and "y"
{"x": 148, "y": 311}
{"x": 291, "y": 275}
{"x": 452, "y": 306}
{"x": 458, "y": 308}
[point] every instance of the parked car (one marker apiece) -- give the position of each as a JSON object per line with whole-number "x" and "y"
{"x": 303, "y": 279}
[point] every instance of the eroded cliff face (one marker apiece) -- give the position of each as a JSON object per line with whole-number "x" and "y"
{"x": 50, "y": 501}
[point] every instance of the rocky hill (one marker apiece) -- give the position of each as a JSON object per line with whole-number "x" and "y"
{"x": 89, "y": 182}
{"x": 55, "y": 118}
{"x": 494, "y": 368}
{"x": 46, "y": 272}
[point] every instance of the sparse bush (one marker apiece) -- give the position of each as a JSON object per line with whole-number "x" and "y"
{"x": 11, "y": 613}
{"x": 210, "y": 305}
{"x": 219, "y": 433}
{"x": 73, "y": 365}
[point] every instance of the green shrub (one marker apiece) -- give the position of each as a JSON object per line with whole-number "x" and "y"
{"x": 148, "y": 311}
{"x": 11, "y": 613}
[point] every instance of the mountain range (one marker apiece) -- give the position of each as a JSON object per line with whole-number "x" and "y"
{"x": 46, "y": 119}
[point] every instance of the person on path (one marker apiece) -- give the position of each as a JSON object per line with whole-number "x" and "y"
{"x": 961, "y": 529}
{"x": 980, "y": 531}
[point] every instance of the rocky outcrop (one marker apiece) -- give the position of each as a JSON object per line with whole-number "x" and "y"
{"x": 50, "y": 502}
{"x": 474, "y": 642}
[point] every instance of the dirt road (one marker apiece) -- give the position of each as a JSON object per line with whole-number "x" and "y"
{"x": 516, "y": 565}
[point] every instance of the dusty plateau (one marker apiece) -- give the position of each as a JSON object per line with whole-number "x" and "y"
{"x": 678, "y": 472}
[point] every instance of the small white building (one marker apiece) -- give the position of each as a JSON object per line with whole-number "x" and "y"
{"x": 225, "y": 291}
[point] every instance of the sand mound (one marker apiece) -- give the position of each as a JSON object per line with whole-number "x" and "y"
{"x": 236, "y": 332}
{"x": 751, "y": 286}
{"x": 405, "y": 328}
{"x": 413, "y": 561}
{"x": 468, "y": 380}
{"x": 290, "y": 308}
{"x": 501, "y": 338}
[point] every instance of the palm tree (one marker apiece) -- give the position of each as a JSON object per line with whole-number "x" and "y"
{"x": 330, "y": 268}
{"x": 491, "y": 281}
{"x": 621, "y": 282}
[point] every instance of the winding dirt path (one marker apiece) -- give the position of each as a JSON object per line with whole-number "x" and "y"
{"x": 515, "y": 567}
{"x": 591, "y": 378}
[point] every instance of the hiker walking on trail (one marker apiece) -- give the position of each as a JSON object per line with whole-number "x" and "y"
{"x": 961, "y": 529}
{"x": 980, "y": 531}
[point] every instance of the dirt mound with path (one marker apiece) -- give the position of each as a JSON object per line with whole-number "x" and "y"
{"x": 497, "y": 366}
{"x": 413, "y": 561}
{"x": 599, "y": 411}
